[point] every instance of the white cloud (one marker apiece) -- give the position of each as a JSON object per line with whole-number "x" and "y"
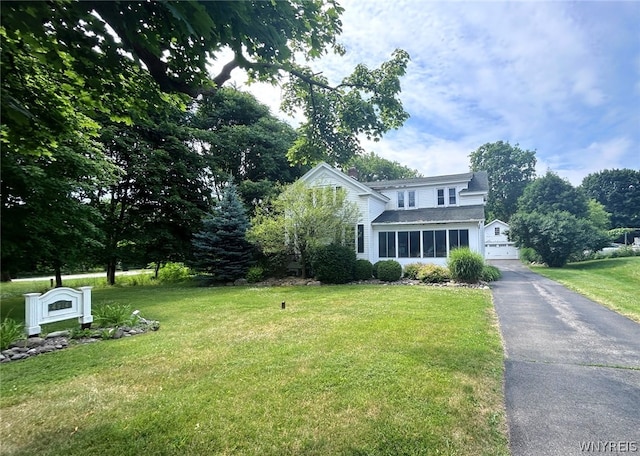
{"x": 556, "y": 77}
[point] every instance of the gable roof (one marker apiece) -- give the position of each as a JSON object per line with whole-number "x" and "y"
{"x": 478, "y": 182}
{"x": 361, "y": 188}
{"x": 496, "y": 222}
{"x": 432, "y": 215}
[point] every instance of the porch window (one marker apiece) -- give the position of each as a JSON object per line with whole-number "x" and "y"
{"x": 387, "y": 244}
{"x": 409, "y": 244}
{"x": 458, "y": 238}
{"x": 434, "y": 244}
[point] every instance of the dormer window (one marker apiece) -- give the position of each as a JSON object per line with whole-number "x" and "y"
{"x": 406, "y": 199}
{"x": 448, "y": 196}
{"x": 412, "y": 198}
{"x": 452, "y": 197}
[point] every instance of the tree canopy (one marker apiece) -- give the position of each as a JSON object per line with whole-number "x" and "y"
{"x": 552, "y": 193}
{"x": 557, "y": 221}
{"x": 510, "y": 169}
{"x": 83, "y": 78}
{"x": 302, "y": 218}
{"x": 372, "y": 167}
{"x": 95, "y": 48}
{"x": 618, "y": 190}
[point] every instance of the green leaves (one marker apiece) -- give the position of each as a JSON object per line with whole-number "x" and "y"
{"x": 365, "y": 103}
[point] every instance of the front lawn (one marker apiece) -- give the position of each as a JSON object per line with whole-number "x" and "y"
{"x": 349, "y": 370}
{"x": 614, "y": 282}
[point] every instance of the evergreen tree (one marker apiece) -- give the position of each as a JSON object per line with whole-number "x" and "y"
{"x": 221, "y": 248}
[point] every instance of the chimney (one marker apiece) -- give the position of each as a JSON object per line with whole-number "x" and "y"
{"x": 353, "y": 172}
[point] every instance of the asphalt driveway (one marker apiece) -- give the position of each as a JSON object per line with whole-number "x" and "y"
{"x": 572, "y": 369}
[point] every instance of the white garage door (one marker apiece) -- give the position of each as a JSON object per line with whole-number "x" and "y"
{"x": 500, "y": 252}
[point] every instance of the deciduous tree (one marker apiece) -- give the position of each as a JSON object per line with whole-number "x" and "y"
{"x": 302, "y": 218}
{"x": 372, "y": 167}
{"x": 510, "y": 170}
{"x": 619, "y": 191}
{"x": 553, "y": 218}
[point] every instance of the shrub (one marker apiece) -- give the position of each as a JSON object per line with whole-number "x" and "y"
{"x": 108, "y": 315}
{"x": 389, "y": 271}
{"x": 465, "y": 265}
{"x": 173, "y": 272}
{"x": 432, "y": 273}
{"x": 490, "y": 273}
{"x": 255, "y": 274}
{"x": 411, "y": 270}
{"x": 10, "y": 331}
{"x": 333, "y": 263}
{"x": 529, "y": 255}
{"x": 374, "y": 270}
{"x": 363, "y": 270}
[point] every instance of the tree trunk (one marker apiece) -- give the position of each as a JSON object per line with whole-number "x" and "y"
{"x": 5, "y": 276}
{"x": 58, "y": 271}
{"x": 157, "y": 268}
{"x": 111, "y": 272}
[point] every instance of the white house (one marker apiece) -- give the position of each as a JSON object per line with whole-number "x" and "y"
{"x": 496, "y": 244}
{"x": 413, "y": 220}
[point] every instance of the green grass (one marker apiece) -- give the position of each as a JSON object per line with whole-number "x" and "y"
{"x": 349, "y": 370}
{"x": 613, "y": 282}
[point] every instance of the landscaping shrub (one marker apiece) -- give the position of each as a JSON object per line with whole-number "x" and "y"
{"x": 432, "y": 273}
{"x": 255, "y": 274}
{"x": 465, "y": 265}
{"x": 374, "y": 271}
{"x": 411, "y": 270}
{"x": 10, "y": 331}
{"x": 528, "y": 255}
{"x": 389, "y": 270}
{"x": 334, "y": 263}
{"x": 490, "y": 273}
{"x": 109, "y": 315}
{"x": 173, "y": 272}
{"x": 363, "y": 270}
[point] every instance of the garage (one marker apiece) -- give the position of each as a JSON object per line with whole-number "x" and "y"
{"x": 500, "y": 252}
{"x": 496, "y": 242}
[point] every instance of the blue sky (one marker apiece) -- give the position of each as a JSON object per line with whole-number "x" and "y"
{"x": 560, "y": 78}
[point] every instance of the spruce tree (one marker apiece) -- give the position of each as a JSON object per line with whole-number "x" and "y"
{"x": 221, "y": 248}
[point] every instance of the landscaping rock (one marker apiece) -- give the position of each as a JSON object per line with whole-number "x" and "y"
{"x": 53, "y": 335}
{"x": 59, "y": 340}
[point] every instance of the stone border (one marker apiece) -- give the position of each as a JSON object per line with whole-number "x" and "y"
{"x": 59, "y": 340}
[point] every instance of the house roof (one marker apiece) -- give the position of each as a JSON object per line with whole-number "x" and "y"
{"x": 362, "y": 189}
{"x": 478, "y": 181}
{"x": 432, "y": 215}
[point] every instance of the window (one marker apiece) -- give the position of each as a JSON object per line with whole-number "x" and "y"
{"x": 360, "y": 236}
{"x": 387, "y": 244}
{"x": 400, "y": 199}
{"x": 412, "y": 198}
{"x": 414, "y": 244}
{"x": 496, "y": 231}
{"x": 409, "y": 244}
{"x": 434, "y": 244}
{"x": 458, "y": 238}
{"x": 441, "y": 197}
{"x": 452, "y": 196}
